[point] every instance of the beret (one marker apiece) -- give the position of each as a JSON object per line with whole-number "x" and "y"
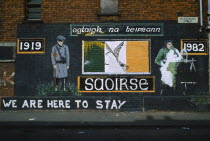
{"x": 168, "y": 41}
{"x": 60, "y": 37}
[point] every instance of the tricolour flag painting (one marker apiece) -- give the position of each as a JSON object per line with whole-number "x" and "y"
{"x": 116, "y": 57}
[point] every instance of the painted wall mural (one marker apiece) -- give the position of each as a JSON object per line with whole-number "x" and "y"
{"x": 60, "y": 61}
{"x": 106, "y": 66}
{"x": 168, "y": 59}
{"x": 116, "y": 57}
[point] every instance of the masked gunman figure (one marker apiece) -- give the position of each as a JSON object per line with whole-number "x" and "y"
{"x": 60, "y": 61}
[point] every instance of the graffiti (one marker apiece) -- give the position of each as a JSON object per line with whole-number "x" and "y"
{"x": 6, "y": 79}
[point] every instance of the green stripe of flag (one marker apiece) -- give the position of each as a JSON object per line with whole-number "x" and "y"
{"x": 93, "y": 56}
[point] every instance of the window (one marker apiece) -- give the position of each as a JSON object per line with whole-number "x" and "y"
{"x": 109, "y": 7}
{"x": 7, "y": 52}
{"x": 33, "y": 10}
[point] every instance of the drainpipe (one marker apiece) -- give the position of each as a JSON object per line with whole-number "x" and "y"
{"x": 208, "y": 14}
{"x": 201, "y": 15}
{"x": 208, "y": 27}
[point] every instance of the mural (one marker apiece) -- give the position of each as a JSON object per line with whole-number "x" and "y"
{"x": 168, "y": 59}
{"x": 173, "y": 62}
{"x": 60, "y": 60}
{"x": 106, "y": 66}
{"x": 116, "y": 84}
{"x": 116, "y": 57}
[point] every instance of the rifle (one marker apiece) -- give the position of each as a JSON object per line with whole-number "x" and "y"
{"x": 192, "y": 65}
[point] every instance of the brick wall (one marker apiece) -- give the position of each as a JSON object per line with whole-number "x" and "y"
{"x": 60, "y": 11}
{"x": 12, "y": 14}
{"x": 71, "y": 11}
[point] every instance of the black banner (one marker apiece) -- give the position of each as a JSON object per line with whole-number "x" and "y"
{"x": 114, "y": 29}
{"x": 31, "y": 45}
{"x": 194, "y": 47}
{"x": 116, "y": 84}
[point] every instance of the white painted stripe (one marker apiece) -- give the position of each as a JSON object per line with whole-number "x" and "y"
{"x": 112, "y": 65}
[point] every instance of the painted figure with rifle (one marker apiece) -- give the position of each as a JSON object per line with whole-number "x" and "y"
{"x": 60, "y": 61}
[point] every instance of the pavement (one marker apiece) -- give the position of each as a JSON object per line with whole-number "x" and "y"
{"x": 104, "y": 125}
{"x": 105, "y": 118}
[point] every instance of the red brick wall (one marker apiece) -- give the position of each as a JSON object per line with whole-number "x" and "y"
{"x": 72, "y": 11}
{"x": 158, "y": 9}
{"x": 12, "y": 13}
{"x": 60, "y": 11}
